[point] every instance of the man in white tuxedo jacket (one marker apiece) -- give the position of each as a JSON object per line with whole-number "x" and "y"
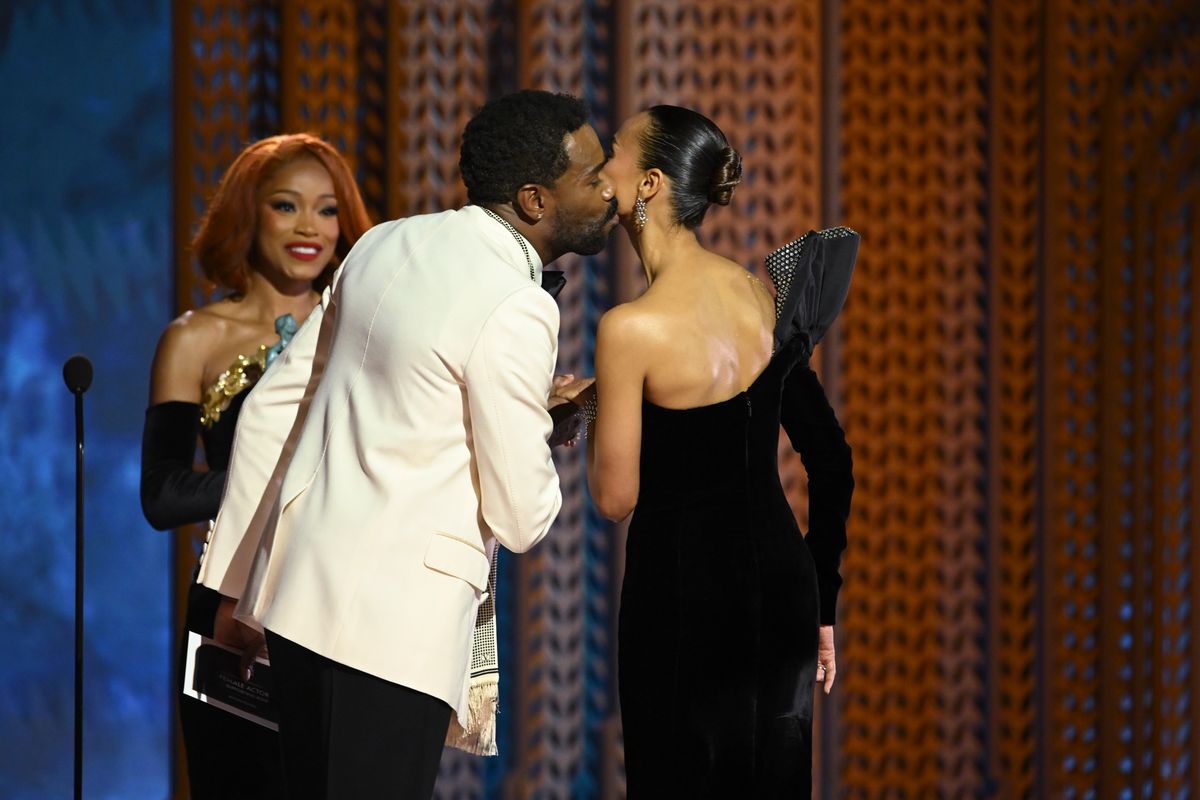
{"x": 423, "y": 446}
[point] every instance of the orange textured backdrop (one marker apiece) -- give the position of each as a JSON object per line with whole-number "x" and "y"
{"x": 1015, "y": 367}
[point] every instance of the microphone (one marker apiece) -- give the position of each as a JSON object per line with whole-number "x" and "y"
{"x": 77, "y": 373}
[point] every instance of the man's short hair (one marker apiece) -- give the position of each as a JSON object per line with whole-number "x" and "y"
{"x": 518, "y": 139}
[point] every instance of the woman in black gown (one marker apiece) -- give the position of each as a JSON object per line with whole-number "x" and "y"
{"x": 284, "y": 215}
{"x": 727, "y": 611}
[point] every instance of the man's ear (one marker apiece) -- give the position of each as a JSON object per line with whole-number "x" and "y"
{"x": 651, "y": 183}
{"x": 531, "y": 202}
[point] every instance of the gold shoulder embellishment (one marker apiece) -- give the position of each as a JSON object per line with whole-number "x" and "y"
{"x": 243, "y": 374}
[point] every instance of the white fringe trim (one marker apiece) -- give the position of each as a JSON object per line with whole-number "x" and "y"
{"x": 479, "y": 736}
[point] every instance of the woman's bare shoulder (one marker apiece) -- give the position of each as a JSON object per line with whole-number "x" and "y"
{"x": 187, "y": 345}
{"x": 180, "y": 357}
{"x": 190, "y": 329}
{"x": 746, "y": 290}
{"x": 639, "y": 320}
{"x": 208, "y": 324}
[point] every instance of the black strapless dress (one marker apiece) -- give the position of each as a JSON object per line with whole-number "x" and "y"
{"x": 723, "y": 595}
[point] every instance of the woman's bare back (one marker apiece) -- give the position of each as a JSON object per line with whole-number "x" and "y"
{"x": 708, "y": 329}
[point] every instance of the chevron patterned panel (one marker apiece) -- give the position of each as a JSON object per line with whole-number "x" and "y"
{"x": 549, "y": 645}
{"x": 1015, "y": 87}
{"x": 1172, "y": 185}
{"x": 912, "y": 662}
{"x": 226, "y": 60}
{"x": 437, "y": 78}
{"x": 1016, "y": 360}
{"x": 602, "y": 766}
{"x": 564, "y": 645}
{"x": 319, "y": 72}
{"x": 1145, "y": 628}
{"x": 1100, "y": 610}
{"x": 226, "y": 96}
{"x": 753, "y": 68}
{"x": 373, "y": 70}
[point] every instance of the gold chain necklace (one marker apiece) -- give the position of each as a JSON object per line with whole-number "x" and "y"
{"x": 520, "y": 240}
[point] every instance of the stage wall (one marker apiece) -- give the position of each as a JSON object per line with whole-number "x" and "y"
{"x": 85, "y": 233}
{"x": 1015, "y": 367}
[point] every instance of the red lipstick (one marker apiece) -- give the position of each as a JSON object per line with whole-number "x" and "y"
{"x": 304, "y": 251}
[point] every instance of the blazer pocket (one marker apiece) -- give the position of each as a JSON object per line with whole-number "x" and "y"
{"x": 458, "y": 558}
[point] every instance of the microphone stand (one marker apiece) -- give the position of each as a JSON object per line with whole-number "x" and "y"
{"x": 77, "y": 373}
{"x": 78, "y": 595}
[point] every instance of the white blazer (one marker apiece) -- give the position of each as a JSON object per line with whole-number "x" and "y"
{"x": 263, "y": 443}
{"x": 424, "y": 444}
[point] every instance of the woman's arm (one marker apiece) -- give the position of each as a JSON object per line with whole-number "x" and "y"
{"x": 172, "y": 492}
{"x": 615, "y": 438}
{"x": 817, "y": 436}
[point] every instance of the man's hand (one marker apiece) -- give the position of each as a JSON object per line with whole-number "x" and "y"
{"x": 826, "y": 663}
{"x": 238, "y": 635}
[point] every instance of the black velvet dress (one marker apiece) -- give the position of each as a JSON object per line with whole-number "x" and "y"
{"x": 723, "y": 595}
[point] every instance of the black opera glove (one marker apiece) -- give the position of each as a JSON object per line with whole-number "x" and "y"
{"x": 816, "y": 435}
{"x": 173, "y": 492}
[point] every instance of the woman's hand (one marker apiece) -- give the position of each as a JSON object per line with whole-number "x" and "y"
{"x": 566, "y": 388}
{"x": 232, "y": 633}
{"x": 826, "y": 663}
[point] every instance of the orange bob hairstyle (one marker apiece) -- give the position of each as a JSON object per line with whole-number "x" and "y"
{"x": 225, "y": 243}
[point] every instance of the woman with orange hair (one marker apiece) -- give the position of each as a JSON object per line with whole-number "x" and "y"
{"x": 283, "y": 217}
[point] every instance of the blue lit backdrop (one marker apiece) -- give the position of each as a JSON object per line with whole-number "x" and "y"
{"x": 84, "y": 251}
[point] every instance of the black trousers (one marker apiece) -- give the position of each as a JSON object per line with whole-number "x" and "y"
{"x": 228, "y": 758}
{"x": 347, "y": 735}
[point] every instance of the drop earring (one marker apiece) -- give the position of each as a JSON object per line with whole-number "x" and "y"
{"x": 639, "y": 214}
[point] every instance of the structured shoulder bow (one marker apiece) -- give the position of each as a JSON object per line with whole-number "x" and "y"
{"x": 812, "y": 278}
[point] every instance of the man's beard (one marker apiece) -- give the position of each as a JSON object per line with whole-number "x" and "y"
{"x": 583, "y": 235}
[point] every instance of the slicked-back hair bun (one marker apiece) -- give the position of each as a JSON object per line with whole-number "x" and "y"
{"x": 726, "y": 177}
{"x": 693, "y": 152}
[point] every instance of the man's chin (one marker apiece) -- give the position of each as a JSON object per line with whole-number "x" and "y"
{"x": 595, "y": 243}
{"x": 590, "y": 240}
